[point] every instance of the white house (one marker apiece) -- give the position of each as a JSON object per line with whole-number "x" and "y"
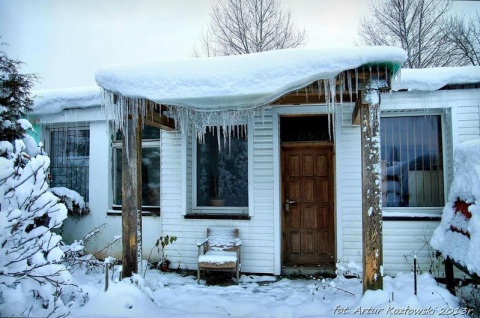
{"x": 288, "y": 172}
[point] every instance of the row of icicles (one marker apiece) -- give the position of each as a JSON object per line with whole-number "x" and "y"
{"x": 232, "y": 123}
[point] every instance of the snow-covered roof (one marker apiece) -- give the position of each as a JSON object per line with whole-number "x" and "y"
{"x": 431, "y": 79}
{"x": 242, "y": 81}
{"x": 238, "y": 82}
{"x": 56, "y": 100}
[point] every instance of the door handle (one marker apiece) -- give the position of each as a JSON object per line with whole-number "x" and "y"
{"x": 287, "y": 204}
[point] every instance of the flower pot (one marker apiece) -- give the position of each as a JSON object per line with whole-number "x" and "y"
{"x": 164, "y": 267}
{"x": 217, "y": 202}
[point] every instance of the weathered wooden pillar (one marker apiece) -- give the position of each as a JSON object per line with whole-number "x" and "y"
{"x": 131, "y": 197}
{"x": 371, "y": 191}
{"x": 449, "y": 275}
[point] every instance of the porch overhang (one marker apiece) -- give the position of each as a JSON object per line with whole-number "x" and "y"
{"x": 205, "y": 89}
{"x": 218, "y": 91}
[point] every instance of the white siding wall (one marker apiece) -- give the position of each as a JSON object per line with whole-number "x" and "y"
{"x": 260, "y": 242}
{"x": 349, "y": 185}
{"x": 100, "y": 176}
{"x": 257, "y": 233}
{"x": 403, "y": 239}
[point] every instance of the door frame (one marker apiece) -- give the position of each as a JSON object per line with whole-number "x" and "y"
{"x": 314, "y": 109}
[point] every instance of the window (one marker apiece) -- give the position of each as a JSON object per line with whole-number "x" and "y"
{"x": 412, "y": 161}
{"x": 69, "y": 155}
{"x": 222, "y": 170}
{"x": 150, "y": 168}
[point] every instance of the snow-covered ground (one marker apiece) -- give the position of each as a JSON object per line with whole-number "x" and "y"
{"x": 174, "y": 295}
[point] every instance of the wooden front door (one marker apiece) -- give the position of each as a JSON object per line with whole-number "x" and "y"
{"x": 308, "y": 205}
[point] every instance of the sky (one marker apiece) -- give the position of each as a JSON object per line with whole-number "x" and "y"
{"x": 66, "y": 41}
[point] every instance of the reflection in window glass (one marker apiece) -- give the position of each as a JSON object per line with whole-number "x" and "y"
{"x": 69, "y": 156}
{"x": 222, "y": 174}
{"x": 412, "y": 161}
{"x": 150, "y": 168}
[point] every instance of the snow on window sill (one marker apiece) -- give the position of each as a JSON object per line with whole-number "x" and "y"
{"x": 412, "y": 214}
{"x": 217, "y": 216}
{"x": 146, "y": 211}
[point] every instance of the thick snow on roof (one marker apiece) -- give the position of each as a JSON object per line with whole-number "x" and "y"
{"x": 56, "y": 100}
{"x": 237, "y": 82}
{"x": 449, "y": 238}
{"x": 430, "y": 79}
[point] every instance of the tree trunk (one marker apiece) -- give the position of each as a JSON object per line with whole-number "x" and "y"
{"x": 131, "y": 197}
{"x": 371, "y": 196}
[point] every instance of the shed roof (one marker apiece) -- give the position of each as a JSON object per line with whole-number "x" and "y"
{"x": 240, "y": 81}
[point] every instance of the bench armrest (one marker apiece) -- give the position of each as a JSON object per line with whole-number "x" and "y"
{"x": 202, "y": 242}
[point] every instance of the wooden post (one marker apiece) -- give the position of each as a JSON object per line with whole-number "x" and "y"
{"x": 371, "y": 194}
{"x": 449, "y": 275}
{"x": 131, "y": 197}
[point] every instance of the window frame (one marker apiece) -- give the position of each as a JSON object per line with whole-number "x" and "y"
{"x": 49, "y": 148}
{"x": 117, "y": 145}
{"x": 421, "y": 212}
{"x": 223, "y": 210}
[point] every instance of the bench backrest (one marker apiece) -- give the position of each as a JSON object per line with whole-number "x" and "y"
{"x": 222, "y": 238}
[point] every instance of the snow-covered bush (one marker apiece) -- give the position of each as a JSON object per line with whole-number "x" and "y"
{"x": 73, "y": 201}
{"x": 15, "y": 99}
{"x": 31, "y": 273}
{"x": 33, "y": 280}
{"x": 458, "y": 235}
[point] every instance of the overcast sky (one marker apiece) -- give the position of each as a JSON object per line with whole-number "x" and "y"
{"x": 66, "y": 41}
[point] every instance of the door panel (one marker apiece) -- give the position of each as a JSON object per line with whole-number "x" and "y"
{"x": 308, "y": 222}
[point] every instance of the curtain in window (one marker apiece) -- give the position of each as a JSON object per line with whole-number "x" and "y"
{"x": 412, "y": 161}
{"x": 222, "y": 170}
{"x": 69, "y": 159}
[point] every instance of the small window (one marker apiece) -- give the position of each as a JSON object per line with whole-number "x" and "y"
{"x": 222, "y": 169}
{"x": 69, "y": 159}
{"x": 412, "y": 161}
{"x": 150, "y": 168}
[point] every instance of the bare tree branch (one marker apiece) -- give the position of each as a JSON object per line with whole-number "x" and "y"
{"x": 249, "y": 26}
{"x": 414, "y": 25}
{"x": 464, "y": 36}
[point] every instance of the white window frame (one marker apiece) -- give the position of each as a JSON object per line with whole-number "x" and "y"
{"x": 223, "y": 210}
{"x": 117, "y": 144}
{"x": 413, "y": 212}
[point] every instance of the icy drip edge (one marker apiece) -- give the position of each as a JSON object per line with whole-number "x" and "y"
{"x": 226, "y": 123}
{"x": 118, "y": 107}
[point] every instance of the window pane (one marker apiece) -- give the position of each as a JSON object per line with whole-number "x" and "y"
{"x": 150, "y": 176}
{"x": 69, "y": 154}
{"x": 412, "y": 161}
{"x": 222, "y": 174}
{"x": 148, "y": 133}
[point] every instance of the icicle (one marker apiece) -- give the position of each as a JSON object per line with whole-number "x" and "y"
{"x": 356, "y": 83}
{"x": 349, "y": 84}
{"x": 306, "y": 94}
{"x": 386, "y": 72}
{"x": 118, "y": 108}
{"x": 319, "y": 89}
{"x": 342, "y": 79}
{"x": 326, "y": 92}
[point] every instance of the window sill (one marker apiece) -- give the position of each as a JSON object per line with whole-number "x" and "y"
{"x": 412, "y": 218}
{"x": 216, "y": 216}
{"x": 145, "y": 212}
{"x": 412, "y": 214}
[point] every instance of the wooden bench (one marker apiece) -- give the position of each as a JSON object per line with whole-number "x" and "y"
{"x": 220, "y": 251}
